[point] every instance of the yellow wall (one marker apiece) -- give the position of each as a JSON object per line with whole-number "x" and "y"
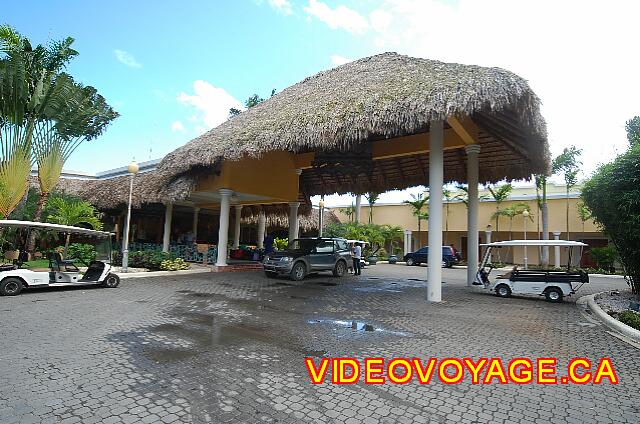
{"x": 402, "y": 216}
{"x": 272, "y": 176}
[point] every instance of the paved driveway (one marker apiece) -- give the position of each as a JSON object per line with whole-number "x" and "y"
{"x": 230, "y": 347}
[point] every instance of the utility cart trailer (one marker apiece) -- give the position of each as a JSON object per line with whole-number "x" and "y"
{"x": 552, "y": 283}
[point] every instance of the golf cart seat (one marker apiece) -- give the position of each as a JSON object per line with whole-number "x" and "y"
{"x": 56, "y": 263}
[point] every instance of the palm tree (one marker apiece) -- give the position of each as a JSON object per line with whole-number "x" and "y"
{"x": 73, "y": 212}
{"x": 417, "y": 204}
{"x": 584, "y": 213}
{"x": 543, "y": 209}
{"x": 372, "y": 197}
{"x": 500, "y": 194}
{"x": 349, "y": 211}
{"x": 463, "y": 195}
{"x": 568, "y": 163}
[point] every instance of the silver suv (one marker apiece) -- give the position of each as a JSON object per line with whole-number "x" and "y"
{"x": 306, "y": 256}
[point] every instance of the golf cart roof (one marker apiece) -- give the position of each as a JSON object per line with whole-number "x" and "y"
{"x": 561, "y": 243}
{"x": 12, "y": 223}
{"x": 357, "y": 241}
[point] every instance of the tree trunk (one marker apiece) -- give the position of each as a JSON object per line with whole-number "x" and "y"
{"x": 66, "y": 245}
{"x": 37, "y": 217}
{"x": 568, "y": 237}
{"x": 419, "y": 235}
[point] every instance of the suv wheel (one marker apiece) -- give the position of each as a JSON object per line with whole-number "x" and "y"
{"x": 410, "y": 262}
{"x": 340, "y": 269}
{"x": 298, "y": 271}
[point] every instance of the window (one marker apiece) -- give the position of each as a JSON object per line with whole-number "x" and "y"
{"x": 424, "y": 250}
{"x": 341, "y": 245}
{"x": 324, "y": 246}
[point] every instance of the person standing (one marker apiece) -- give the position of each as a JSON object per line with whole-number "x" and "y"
{"x": 357, "y": 255}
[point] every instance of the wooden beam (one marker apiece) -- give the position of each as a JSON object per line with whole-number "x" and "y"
{"x": 395, "y": 147}
{"x": 466, "y": 129}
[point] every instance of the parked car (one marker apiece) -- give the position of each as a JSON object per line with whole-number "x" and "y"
{"x": 306, "y": 256}
{"x": 421, "y": 256}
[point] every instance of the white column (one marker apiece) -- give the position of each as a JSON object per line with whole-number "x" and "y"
{"x": 358, "y": 208}
{"x": 293, "y": 220}
{"x": 236, "y": 232}
{"x": 166, "y": 235}
{"x": 262, "y": 226}
{"x": 556, "y": 250}
{"x": 196, "y": 212}
{"x": 436, "y": 180}
{"x": 487, "y": 240}
{"x": 223, "y": 231}
{"x": 407, "y": 241}
{"x": 472, "y": 212}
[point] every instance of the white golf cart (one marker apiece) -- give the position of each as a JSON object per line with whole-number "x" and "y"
{"x": 60, "y": 273}
{"x": 554, "y": 284}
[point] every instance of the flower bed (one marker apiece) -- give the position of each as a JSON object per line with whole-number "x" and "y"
{"x": 617, "y": 304}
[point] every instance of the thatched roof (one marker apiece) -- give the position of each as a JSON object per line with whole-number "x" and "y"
{"x": 377, "y": 98}
{"x": 308, "y": 222}
{"x": 112, "y": 193}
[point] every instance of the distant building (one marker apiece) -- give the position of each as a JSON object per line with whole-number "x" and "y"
{"x": 455, "y": 221}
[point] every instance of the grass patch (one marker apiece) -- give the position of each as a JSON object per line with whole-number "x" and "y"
{"x": 632, "y": 319}
{"x": 36, "y": 263}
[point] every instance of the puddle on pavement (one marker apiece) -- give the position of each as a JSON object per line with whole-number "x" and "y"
{"x": 168, "y": 355}
{"x": 327, "y": 283}
{"x": 359, "y": 326}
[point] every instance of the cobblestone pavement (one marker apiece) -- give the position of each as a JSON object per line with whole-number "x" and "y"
{"x": 230, "y": 348}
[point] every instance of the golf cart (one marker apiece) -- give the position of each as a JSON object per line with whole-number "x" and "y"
{"x": 60, "y": 273}
{"x": 554, "y": 284}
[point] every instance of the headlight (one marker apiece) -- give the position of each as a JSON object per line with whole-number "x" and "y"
{"x": 286, "y": 259}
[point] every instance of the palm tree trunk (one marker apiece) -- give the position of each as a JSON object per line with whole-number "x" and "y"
{"x": 419, "y": 235}
{"x": 545, "y": 226}
{"x": 66, "y": 244}
{"x": 568, "y": 237}
{"x": 37, "y": 217}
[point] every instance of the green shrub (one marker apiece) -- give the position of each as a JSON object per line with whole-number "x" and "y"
{"x": 85, "y": 253}
{"x": 280, "y": 243}
{"x": 632, "y": 319}
{"x": 604, "y": 257}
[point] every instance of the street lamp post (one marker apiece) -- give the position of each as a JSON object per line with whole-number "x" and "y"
{"x": 133, "y": 170}
{"x": 525, "y": 214}
{"x": 321, "y": 217}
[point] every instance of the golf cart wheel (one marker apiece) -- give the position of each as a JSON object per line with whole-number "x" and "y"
{"x": 340, "y": 269}
{"x": 298, "y": 271}
{"x": 503, "y": 290}
{"x": 270, "y": 274}
{"x": 553, "y": 294}
{"x": 10, "y": 286}
{"x": 111, "y": 281}
{"x": 410, "y": 262}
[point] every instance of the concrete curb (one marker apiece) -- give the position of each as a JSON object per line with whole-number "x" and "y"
{"x": 126, "y": 276}
{"x": 608, "y": 320}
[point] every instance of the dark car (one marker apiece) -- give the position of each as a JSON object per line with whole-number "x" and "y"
{"x": 421, "y": 256}
{"x": 309, "y": 255}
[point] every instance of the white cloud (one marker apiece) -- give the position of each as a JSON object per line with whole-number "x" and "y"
{"x": 212, "y": 103}
{"x": 177, "y": 126}
{"x": 341, "y": 17}
{"x": 127, "y": 59}
{"x": 338, "y": 60}
{"x": 283, "y": 6}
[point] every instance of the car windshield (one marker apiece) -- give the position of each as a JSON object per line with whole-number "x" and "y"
{"x": 302, "y": 244}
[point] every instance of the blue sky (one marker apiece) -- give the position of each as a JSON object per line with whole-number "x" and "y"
{"x": 172, "y": 69}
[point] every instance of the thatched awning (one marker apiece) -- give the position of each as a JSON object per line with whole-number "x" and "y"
{"x": 379, "y": 98}
{"x": 308, "y": 222}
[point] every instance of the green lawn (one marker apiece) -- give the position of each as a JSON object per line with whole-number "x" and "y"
{"x": 37, "y": 263}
